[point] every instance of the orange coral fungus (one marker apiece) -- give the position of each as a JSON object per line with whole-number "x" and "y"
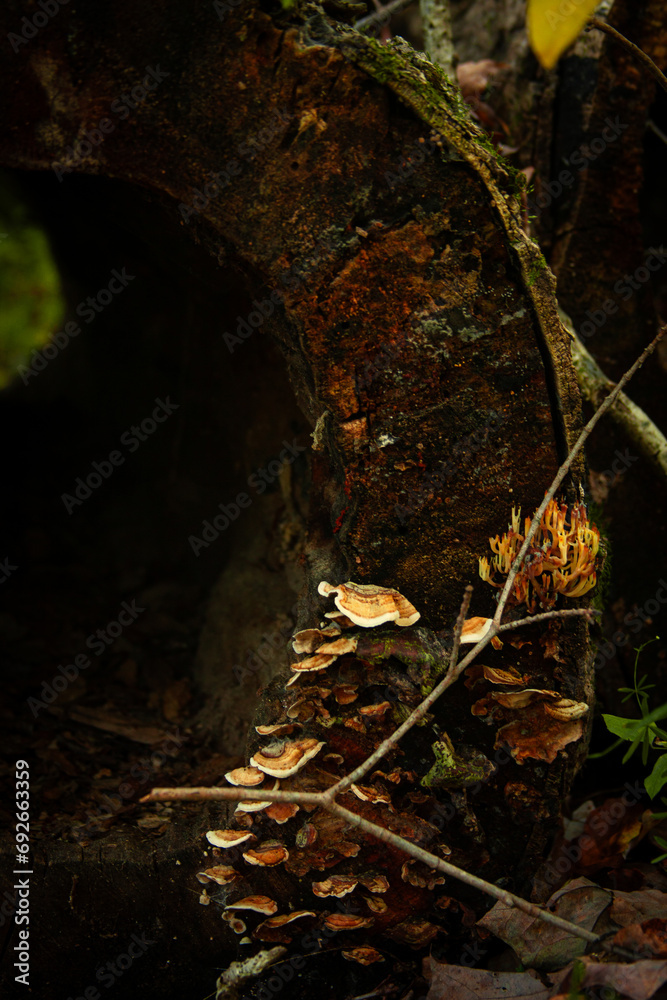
{"x": 562, "y": 558}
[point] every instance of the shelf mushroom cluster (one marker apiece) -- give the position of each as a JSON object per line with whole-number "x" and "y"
{"x": 286, "y": 754}
{"x": 362, "y": 604}
{"x": 534, "y": 723}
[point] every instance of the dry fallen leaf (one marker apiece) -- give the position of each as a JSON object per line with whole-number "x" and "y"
{"x": 457, "y": 982}
{"x": 636, "y": 980}
{"x": 118, "y": 724}
{"x": 543, "y": 946}
{"x": 648, "y": 938}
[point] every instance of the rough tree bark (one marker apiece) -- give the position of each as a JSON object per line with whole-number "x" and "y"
{"x": 419, "y": 329}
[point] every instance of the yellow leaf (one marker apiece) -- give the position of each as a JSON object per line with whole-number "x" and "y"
{"x": 554, "y": 24}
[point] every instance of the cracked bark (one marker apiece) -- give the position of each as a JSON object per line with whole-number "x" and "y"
{"x": 417, "y": 323}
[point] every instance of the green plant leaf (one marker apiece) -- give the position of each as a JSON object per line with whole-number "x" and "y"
{"x": 627, "y": 729}
{"x": 554, "y": 25}
{"x": 658, "y": 777}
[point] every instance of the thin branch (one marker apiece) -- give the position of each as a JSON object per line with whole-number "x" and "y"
{"x": 639, "y": 427}
{"x": 453, "y": 673}
{"x": 545, "y": 615}
{"x": 438, "y": 40}
{"x": 565, "y": 468}
{"x": 458, "y": 628}
{"x": 597, "y": 22}
{"x": 380, "y": 833}
{"x": 325, "y": 800}
{"x": 412, "y": 719}
{"x": 381, "y": 17}
{"x": 204, "y": 793}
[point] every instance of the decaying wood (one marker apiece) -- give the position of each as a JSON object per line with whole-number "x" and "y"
{"x": 417, "y": 321}
{"x": 416, "y": 928}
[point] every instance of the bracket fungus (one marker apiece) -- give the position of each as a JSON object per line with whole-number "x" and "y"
{"x": 335, "y": 885}
{"x": 279, "y": 729}
{"x": 282, "y": 760}
{"x": 246, "y": 777}
{"x": 268, "y": 854}
{"x": 220, "y": 874}
{"x": 562, "y": 557}
{"x": 368, "y": 605}
{"x": 228, "y": 838}
{"x": 542, "y": 722}
{"x": 236, "y": 924}
{"x": 364, "y": 955}
{"x": 308, "y": 639}
{"x": 325, "y": 654}
{"x": 347, "y": 922}
{"x": 258, "y": 904}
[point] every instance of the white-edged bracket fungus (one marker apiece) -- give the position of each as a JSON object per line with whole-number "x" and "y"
{"x": 245, "y": 777}
{"x": 335, "y": 885}
{"x": 250, "y": 806}
{"x": 368, "y": 605}
{"x": 258, "y": 904}
{"x": 309, "y": 639}
{"x": 282, "y": 760}
{"x": 268, "y": 854}
{"x": 376, "y": 905}
{"x": 368, "y": 794}
{"x": 220, "y": 874}
{"x": 326, "y": 654}
{"x": 347, "y": 922}
{"x": 236, "y": 924}
{"x": 364, "y": 955}
{"x": 228, "y": 838}
{"x": 286, "y": 918}
{"x": 281, "y": 812}
{"x": 279, "y": 729}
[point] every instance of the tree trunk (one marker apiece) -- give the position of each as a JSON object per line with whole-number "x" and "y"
{"x": 356, "y": 215}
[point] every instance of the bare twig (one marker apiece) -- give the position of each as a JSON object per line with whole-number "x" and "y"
{"x": 597, "y": 22}
{"x": 545, "y": 615}
{"x": 380, "y": 17}
{"x": 453, "y": 671}
{"x": 438, "y": 41}
{"x": 326, "y": 799}
{"x": 639, "y": 427}
{"x": 380, "y": 833}
{"x": 565, "y": 468}
{"x": 458, "y": 628}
